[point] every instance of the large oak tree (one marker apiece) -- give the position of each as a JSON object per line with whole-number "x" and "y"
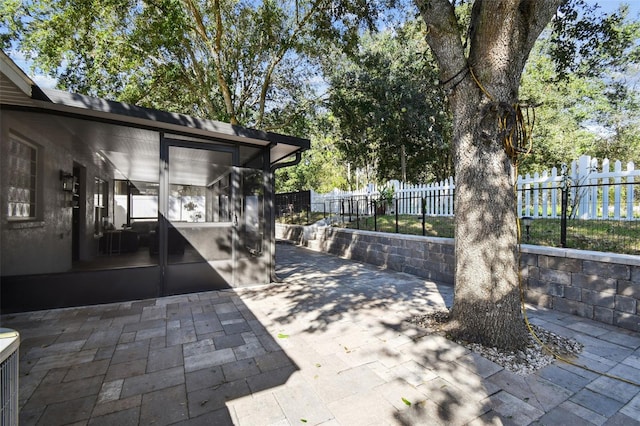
{"x": 480, "y": 64}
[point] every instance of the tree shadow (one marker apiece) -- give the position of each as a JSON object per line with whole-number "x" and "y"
{"x": 338, "y": 288}
{"x": 427, "y": 378}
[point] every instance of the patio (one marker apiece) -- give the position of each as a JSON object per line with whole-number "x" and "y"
{"x": 330, "y": 345}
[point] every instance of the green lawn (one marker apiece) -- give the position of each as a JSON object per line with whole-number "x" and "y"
{"x": 599, "y": 235}
{"x": 434, "y": 226}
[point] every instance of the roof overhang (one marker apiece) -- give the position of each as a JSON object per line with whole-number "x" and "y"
{"x": 15, "y": 85}
{"x": 16, "y": 88}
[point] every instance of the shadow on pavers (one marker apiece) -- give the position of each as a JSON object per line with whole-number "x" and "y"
{"x": 156, "y": 361}
{"x": 441, "y": 381}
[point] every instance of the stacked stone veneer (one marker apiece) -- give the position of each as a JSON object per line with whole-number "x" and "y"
{"x": 601, "y": 286}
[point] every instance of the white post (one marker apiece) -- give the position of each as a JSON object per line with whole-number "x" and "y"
{"x": 554, "y": 192}
{"x": 527, "y": 195}
{"x": 605, "y": 189}
{"x": 593, "y": 190}
{"x": 536, "y": 195}
{"x": 519, "y": 186}
{"x": 617, "y": 196}
{"x": 630, "y": 182}
{"x": 545, "y": 194}
{"x": 584, "y": 165}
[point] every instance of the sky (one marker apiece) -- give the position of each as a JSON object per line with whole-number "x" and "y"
{"x": 611, "y": 5}
{"x": 45, "y": 81}
{"x": 41, "y": 80}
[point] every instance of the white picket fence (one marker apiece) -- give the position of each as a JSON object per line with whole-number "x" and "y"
{"x": 595, "y": 192}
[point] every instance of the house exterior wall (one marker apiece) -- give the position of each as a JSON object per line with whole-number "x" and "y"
{"x": 37, "y": 265}
{"x": 601, "y": 286}
{"x": 43, "y": 245}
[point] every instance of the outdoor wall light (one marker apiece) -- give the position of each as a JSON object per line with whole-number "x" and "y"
{"x": 67, "y": 181}
{"x": 527, "y": 221}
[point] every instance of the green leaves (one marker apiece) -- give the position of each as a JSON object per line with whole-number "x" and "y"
{"x": 385, "y": 98}
{"x": 321, "y": 169}
{"x": 588, "y": 105}
{"x": 589, "y": 43}
{"x": 244, "y": 61}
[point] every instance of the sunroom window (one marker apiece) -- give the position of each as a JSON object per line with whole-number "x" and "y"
{"x": 23, "y": 166}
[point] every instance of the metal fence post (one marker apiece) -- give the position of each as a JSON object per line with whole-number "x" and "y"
{"x": 424, "y": 216}
{"x": 375, "y": 215}
{"x": 350, "y": 207}
{"x": 453, "y": 202}
{"x": 397, "y": 225}
{"x": 563, "y": 217}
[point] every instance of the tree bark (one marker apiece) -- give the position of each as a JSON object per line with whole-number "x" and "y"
{"x": 483, "y": 84}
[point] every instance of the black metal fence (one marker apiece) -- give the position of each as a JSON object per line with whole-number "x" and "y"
{"x": 290, "y": 202}
{"x": 585, "y": 219}
{"x": 608, "y": 228}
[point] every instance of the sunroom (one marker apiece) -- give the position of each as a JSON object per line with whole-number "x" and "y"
{"x": 104, "y": 201}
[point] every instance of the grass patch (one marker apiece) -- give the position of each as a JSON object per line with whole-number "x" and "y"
{"x": 599, "y": 235}
{"x": 407, "y": 224}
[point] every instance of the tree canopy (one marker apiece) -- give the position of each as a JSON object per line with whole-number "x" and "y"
{"x": 322, "y": 166}
{"x": 240, "y": 61}
{"x": 266, "y": 64}
{"x": 389, "y": 104}
{"x": 585, "y": 106}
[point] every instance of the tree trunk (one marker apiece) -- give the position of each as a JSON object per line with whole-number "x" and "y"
{"x": 483, "y": 86}
{"x": 486, "y": 305}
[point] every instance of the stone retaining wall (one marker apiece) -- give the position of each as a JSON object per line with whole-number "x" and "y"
{"x": 602, "y": 286}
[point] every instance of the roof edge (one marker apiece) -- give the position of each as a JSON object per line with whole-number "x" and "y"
{"x": 83, "y": 105}
{"x": 15, "y": 74}
{"x": 303, "y": 143}
{"x": 100, "y": 105}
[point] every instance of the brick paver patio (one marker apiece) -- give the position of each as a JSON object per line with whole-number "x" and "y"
{"x": 330, "y": 345}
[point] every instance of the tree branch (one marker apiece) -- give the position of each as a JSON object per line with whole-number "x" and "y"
{"x": 443, "y": 36}
{"x": 498, "y": 52}
{"x": 216, "y": 52}
{"x": 279, "y": 56}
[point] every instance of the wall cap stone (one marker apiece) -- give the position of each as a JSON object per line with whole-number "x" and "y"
{"x": 405, "y": 237}
{"x": 598, "y": 256}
